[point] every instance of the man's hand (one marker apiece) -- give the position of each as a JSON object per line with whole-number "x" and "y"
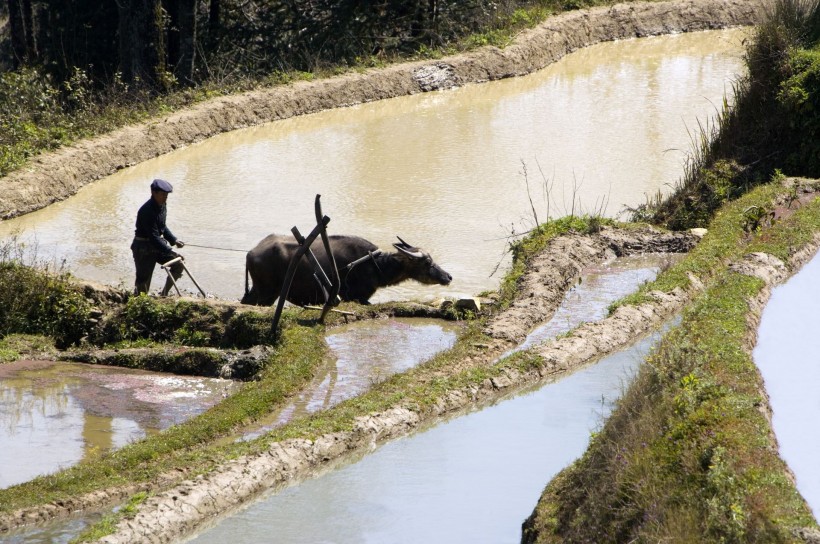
{"x": 180, "y": 244}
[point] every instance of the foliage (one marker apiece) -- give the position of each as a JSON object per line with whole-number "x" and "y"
{"x": 30, "y": 117}
{"x": 14, "y": 346}
{"x": 773, "y": 124}
{"x": 687, "y": 455}
{"x": 35, "y": 300}
{"x": 145, "y": 319}
{"x": 799, "y": 98}
{"x": 247, "y": 329}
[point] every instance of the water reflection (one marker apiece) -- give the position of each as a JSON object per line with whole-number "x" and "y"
{"x": 441, "y": 170}
{"x": 786, "y": 354}
{"x": 58, "y": 532}
{"x": 599, "y": 287}
{"x": 56, "y": 414}
{"x": 366, "y": 353}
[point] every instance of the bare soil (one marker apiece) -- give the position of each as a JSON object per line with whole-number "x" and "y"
{"x": 180, "y": 506}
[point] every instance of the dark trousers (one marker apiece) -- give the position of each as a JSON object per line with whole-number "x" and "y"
{"x": 146, "y": 257}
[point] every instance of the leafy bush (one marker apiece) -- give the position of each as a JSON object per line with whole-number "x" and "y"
{"x": 36, "y": 301}
{"x": 773, "y": 124}
{"x": 249, "y": 329}
{"x": 799, "y": 96}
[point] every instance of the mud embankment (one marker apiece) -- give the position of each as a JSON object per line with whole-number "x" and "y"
{"x": 175, "y": 513}
{"x": 56, "y": 176}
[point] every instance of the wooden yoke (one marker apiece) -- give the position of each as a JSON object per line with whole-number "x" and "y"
{"x": 329, "y": 286}
{"x": 331, "y": 298}
{"x": 304, "y": 247}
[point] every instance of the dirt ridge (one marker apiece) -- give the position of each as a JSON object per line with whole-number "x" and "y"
{"x": 55, "y": 176}
{"x": 175, "y": 513}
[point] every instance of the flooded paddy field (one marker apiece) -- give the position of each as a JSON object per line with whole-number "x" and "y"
{"x": 364, "y": 354}
{"x": 55, "y": 414}
{"x": 787, "y": 355}
{"x": 471, "y": 479}
{"x": 443, "y": 170}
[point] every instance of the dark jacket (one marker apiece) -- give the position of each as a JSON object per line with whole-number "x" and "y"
{"x": 151, "y": 227}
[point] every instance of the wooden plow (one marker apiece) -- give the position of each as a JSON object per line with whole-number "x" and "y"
{"x": 328, "y": 285}
{"x": 167, "y": 268}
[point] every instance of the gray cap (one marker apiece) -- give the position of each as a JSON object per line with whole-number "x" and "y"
{"x": 162, "y": 185}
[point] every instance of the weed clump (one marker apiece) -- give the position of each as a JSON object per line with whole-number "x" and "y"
{"x": 773, "y": 125}
{"x": 36, "y": 300}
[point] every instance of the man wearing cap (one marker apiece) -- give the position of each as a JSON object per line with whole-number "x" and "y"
{"x": 152, "y": 238}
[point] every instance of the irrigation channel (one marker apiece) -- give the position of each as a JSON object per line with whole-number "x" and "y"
{"x": 601, "y": 129}
{"x": 471, "y": 478}
{"x": 786, "y": 354}
{"x": 469, "y": 457}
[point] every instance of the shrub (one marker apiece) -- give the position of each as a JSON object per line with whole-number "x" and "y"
{"x": 34, "y": 301}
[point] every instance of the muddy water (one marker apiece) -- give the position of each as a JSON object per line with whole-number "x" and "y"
{"x": 365, "y": 353}
{"x": 55, "y": 414}
{"x": 787, "y": 356}
{"x": 605, "y": 126}
{"x": 472, "y": 479}
{"x": 59, "y": 532}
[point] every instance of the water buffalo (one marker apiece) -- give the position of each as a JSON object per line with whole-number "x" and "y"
{"x": 362, "y": 269}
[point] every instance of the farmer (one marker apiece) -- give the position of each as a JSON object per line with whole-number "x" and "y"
{"x": 152, "y": 239}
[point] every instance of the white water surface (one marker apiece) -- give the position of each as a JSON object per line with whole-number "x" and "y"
{"x": 788, "y": 356}
{"x": 472, "y": 479}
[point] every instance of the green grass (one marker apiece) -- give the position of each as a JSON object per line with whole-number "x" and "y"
{"x": 16, "y": 346}
{"x": 182, "y": 446}
{"x": 718, "y": 247}
{"x": 687, "y": 454}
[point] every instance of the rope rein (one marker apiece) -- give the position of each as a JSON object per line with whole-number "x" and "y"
{"x": 218, "y": 248}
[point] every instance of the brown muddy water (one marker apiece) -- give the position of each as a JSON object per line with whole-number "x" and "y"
{"x": 54, "y": 414}
{"x": 602, "y": 128}
{"x": 364, "y": 354}
{"x": 787, "y": 355}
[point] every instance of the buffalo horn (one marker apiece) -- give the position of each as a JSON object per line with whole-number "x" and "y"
{"x": 407, "y": 249}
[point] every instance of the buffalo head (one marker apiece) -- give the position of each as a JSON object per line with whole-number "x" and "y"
{"x": 419, "y": 266}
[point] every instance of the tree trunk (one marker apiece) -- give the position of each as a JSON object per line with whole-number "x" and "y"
{"x": 142, "y": 43}
{"x": 214, "y": 14}
{"x": 28, "y": 29}
{"x": 186, "y": 24}
{"x": 17, "y": 30}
